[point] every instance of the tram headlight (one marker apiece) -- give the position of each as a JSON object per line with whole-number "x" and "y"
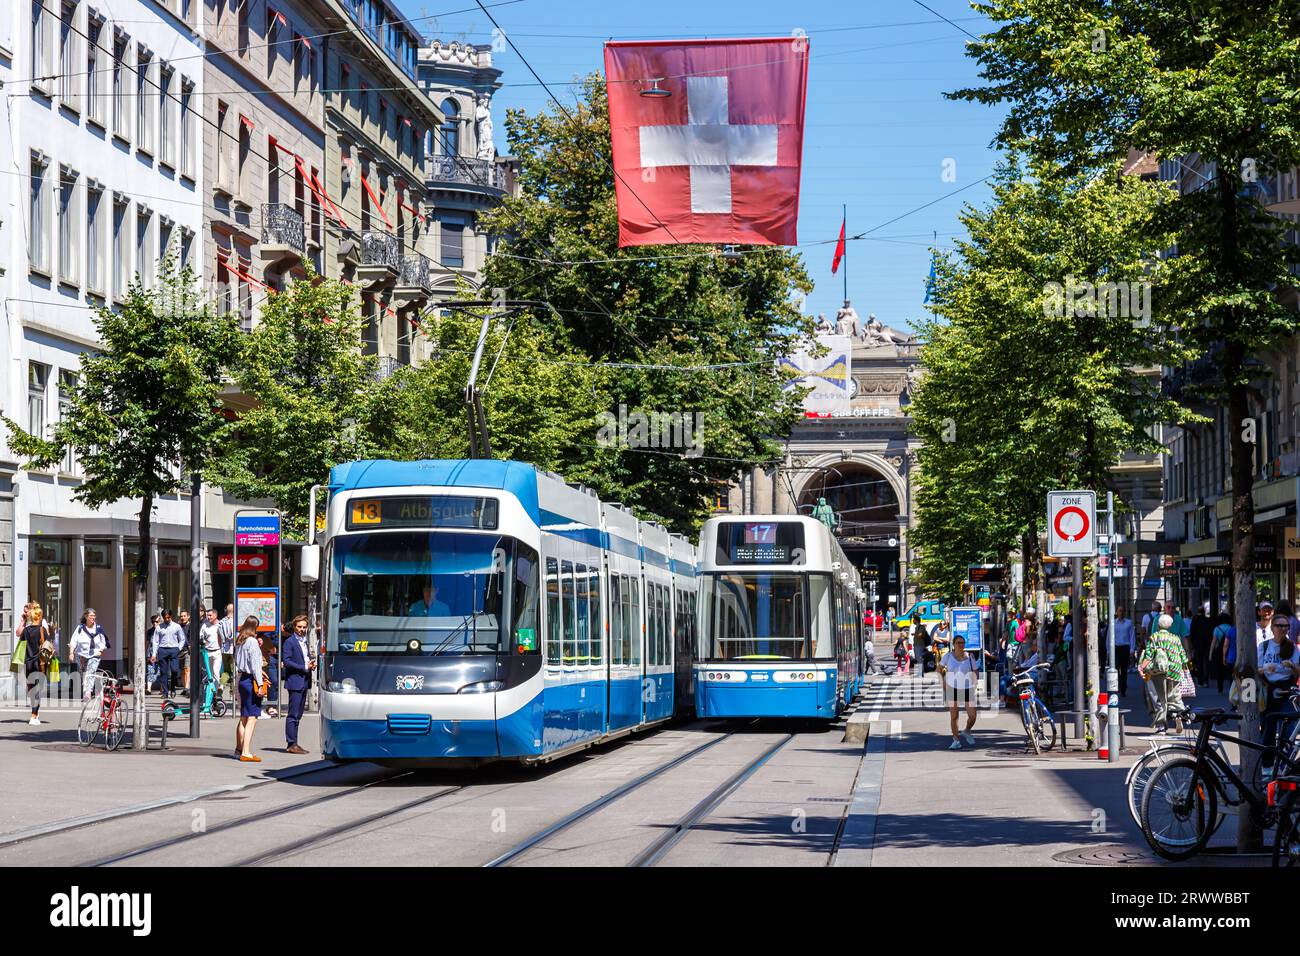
{"x": 346, "y": 686}
{"x": 482, "y": 687}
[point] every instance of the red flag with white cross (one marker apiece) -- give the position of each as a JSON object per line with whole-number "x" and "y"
{"x": 708, "y": 139}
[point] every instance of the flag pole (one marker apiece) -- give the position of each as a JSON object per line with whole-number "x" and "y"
{"x": 845, "y": 227}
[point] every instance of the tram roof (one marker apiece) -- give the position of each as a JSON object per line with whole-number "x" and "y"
{"x": 514, "y": 477}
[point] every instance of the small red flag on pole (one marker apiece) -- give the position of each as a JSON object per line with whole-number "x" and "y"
{"x": 839, "y": 249}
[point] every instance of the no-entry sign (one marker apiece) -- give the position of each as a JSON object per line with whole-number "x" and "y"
{"x": 1071, "y": 524}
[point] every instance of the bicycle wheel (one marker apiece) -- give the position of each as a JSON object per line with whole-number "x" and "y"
{"x": 218, "y": 707}
{"x": 1286, "y": 845}
{"x": 1044, "y": 726}
{"x": 1179, "y": 809}
{"x": 89, "y": 722}
{"x": 1026, "y": 718}
{"x": 116, "y": 730}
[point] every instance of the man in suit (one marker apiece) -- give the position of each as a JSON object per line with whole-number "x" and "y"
{"x": 298, "y": 666}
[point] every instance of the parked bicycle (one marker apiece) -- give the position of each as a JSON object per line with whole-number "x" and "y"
{"x": 1040, "y": 726}
{"x": 1284, "y": 795}
{"x": 1180, "y": 808}
{"x": 105, "y": 712}
{"x": 1161, "y": 750}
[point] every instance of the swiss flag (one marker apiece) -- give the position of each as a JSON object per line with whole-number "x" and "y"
{"x": 717, "y": 160}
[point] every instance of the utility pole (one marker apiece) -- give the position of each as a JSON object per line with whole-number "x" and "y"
{"x": 196, "y": 599}
{"x": 1078, "y": 646}
{"x": 1112, "y": 672}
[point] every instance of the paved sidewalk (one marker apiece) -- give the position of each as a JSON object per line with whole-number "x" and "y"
{"x": 46, "y": 776}
{"x": 996, "y": 804}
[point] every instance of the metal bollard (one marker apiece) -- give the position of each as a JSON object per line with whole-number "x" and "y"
{"x": 1103, "y": 721}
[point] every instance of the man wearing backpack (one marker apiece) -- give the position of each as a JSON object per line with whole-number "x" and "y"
{"x": 1163, "y": 662}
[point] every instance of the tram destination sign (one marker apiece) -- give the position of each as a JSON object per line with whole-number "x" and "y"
{"x": 422, "y": 511}
{"x": 759, "y": 542}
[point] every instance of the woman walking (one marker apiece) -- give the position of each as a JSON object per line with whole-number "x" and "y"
{"x": 959, "y": 678}
{"x": 902, "y": 651}
{"x": 40, "y": 650}
{"x": 252, "y": 687}
{"x": 1279, "y": 665}
{"x": 86, "y": 650}
{"x": 1163, "y": 662}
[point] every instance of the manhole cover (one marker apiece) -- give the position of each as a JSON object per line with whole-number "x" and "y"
{"x": 98, "y": 748}
{"x": 1132, "y": 856}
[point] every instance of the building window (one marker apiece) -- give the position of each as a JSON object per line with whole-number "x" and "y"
{"x": 166, "y": 99}
{"x": 38, "y": 240}
{"x": 370, "y": 325}
{"x": 42, "y": 27}
{"x": 187, "y": 129}
{"x": 69, "y": 57}
{"x": 145, "y": 262}
{"x": 245, "y": 150}
{"x": 95, "y": 106}
{"x": 403, "y": 340}
{"x": 223, "y": 146}
{"x": 121, "y": 110}
{"x": 144, "y": 101}
{"x": 383, "y": 120}
{"x": 187, "y": 249}
{"x": 38, "y": 377}
{"x": 450, "y": 128}
{"x": 67, "y": 393}
{"x": 453, "y": 242}
{"x": 223, "y": 287}
{"x": 121, "y": 247}
{"x": 69, "y": 227}
{"x": 165, "y": 229}
{"x": 242, "y": 14}
{"x": 94, "y": 239}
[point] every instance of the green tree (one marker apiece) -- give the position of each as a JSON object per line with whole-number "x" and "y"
{"x": 650, "y": 312}
{"x": 1030, "y": 380}
{"x": 145, "y": 409}
{"x": 304, "y": 391}
{"x": 1087, "y": 80}
{"x": 541, "y": 397}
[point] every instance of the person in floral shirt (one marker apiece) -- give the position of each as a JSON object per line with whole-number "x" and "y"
{"x": 1163, "y": 662}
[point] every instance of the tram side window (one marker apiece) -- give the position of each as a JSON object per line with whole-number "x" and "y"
{"x": 615, "y": 621}
{"x": 826, "y": 613}
{"x": 569, "y": 613}
{"x": 553, "y": 618}
{"x": 525, "y": 599}
{"x": 597, "y": 622}
{"x": 582, "y": 587}
{"x": 631, "y": 624}
{"x": 665, "y": 626}
{"x": 638, "y": 632}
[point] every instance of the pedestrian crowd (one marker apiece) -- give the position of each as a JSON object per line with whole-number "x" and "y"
{"x": 243, "y": 657}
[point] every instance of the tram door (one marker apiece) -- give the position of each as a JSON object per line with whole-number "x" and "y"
{"x": 642, "y": 635}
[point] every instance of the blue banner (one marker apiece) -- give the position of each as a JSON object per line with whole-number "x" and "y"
{"x": 968, "y": 622}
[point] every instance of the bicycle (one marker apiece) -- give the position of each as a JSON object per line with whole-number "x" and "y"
{"x": 1284, "y": 794}
{"x": 1139, "y": 775}
{"x": 1180, "y": 808}
{"x": 1040, "y": 727}
{"x": 105, "y": 712}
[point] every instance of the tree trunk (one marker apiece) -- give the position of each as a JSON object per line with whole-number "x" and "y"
{"x": 1241, "y": 434}
{"x": 138, "y": 650}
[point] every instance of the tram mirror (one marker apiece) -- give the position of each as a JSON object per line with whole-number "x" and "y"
{"x": 309, "y": 564}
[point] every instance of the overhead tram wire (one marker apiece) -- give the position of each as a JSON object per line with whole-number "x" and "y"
{"x": 236, "y": 51}
{"x": 950, "y": 22}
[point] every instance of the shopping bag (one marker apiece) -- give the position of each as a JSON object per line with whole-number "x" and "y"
{"x": 1187, "y": 687}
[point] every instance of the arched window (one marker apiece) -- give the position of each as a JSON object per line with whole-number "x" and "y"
{"x": 450, "y": 128}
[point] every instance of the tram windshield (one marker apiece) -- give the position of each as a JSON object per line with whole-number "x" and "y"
{"x": 452, "y": 593}
{"x": 759, "y": 616}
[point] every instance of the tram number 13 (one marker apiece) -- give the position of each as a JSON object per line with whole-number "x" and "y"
{"x": 366, "y": 512}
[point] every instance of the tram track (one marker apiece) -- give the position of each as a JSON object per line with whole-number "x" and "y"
{"x": 660, "y": 848}
{"x": 296, "y": 806}
{"x": 653, "y": 853}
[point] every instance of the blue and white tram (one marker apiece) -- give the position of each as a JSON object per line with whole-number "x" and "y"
{"x": 780, "y": 620}
{"x": 484, "y": 610}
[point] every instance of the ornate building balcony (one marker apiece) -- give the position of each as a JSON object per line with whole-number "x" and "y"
{"x": 413, "y": 280}
{"x": 463, "y": 172}
{"x": 381, "y": 257}
{"x": 284, "y": 234}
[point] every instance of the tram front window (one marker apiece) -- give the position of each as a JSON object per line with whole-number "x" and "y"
{"x": 756, "y": 616}
{"x": 441, "y": 589}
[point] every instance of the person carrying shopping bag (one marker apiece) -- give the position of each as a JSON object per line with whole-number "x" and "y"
{"x": 1164, "y": 662}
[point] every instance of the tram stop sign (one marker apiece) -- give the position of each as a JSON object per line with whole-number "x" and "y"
{"x": 1072, "y": 524}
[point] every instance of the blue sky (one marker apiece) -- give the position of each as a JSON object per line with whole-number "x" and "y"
{"x": 878, "y": 128}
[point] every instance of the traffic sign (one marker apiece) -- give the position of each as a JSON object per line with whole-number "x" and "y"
{"x": 968, "y": 622}
{"x": 1072, "y": 524}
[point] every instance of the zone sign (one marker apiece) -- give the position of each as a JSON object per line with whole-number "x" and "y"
{"x": 1072, "y": 524}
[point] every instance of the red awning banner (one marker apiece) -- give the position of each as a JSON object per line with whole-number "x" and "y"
{"x": 379, "y": 203}
{"x": 246, "y": 121}
{"x": 226, "y": 261}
